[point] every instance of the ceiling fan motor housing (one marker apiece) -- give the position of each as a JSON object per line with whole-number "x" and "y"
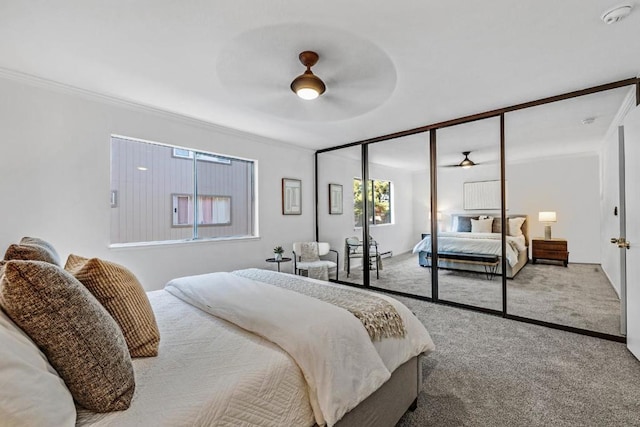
{"x": 307, "y": 85}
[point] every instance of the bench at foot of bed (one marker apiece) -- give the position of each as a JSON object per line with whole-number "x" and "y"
{"x": 489, "y": 261}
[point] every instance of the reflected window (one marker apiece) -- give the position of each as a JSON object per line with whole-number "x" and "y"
{"x": 380, "y": 202}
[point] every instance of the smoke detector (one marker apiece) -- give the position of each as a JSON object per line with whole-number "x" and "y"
{"x": 615, "y": 14}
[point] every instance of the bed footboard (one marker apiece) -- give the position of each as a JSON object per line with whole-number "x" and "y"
{"x": 387, "y": 404}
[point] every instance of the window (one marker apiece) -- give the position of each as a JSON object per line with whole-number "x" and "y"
{"x": 380, "y": 202}
{"x": 188, "y": 154}
{"x": 166, "y": 193}
{"x": 212, "y": 210}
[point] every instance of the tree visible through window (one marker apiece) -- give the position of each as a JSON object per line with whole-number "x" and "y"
{"x": 379, "y": 200}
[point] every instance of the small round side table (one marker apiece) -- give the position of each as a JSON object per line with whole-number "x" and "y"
{"x": 284, "y": 259}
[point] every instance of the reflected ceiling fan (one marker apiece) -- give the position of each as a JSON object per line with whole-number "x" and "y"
{"x": 466, "y": 163}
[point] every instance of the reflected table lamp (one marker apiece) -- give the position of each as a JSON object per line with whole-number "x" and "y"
{"x": 547, "y": 218}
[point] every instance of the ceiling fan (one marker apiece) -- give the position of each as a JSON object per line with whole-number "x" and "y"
{"x": 466, "y": 163}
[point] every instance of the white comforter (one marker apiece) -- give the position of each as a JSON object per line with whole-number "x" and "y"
{"x": 212, "y": 372}
{"x": 475, "y": 243}
{"x": 209, "y": 372}
{"x": 333, "y": 350}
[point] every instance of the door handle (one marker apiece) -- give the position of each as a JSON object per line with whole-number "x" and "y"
{"x": 621, "y": 242}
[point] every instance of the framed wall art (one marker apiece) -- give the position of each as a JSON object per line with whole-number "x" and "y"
{"x": 335, "y": 199}
{"x": 482, "y": 195}
{"x": 291, "y": 196}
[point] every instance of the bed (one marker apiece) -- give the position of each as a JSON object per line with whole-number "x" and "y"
{"x": 467, "y": 248}
{"x": 232, "y": 352}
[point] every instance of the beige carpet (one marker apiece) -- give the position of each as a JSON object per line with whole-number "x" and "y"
{"x": 490, "y": 371}
{"x": 579, "y": 295}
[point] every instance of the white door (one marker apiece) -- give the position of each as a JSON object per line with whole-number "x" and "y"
{"x": 632, "y": 179}
{"x": 622, "y": 233}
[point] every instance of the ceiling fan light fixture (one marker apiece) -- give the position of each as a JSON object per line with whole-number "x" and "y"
{"x": 466, "y": 163}
{"x": 616, "y": 14}
{"x": 307, "y": 85}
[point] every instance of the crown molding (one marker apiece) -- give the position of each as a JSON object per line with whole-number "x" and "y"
{"x": 64, "y": 88}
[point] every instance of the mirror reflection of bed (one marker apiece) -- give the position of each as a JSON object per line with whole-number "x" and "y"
{"x": 574, "y": 174}
{"x": 470, "y": 257}
{"x": 567, "y": 173}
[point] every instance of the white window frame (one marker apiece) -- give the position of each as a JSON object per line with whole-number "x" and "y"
{"x": 180, "y": 152}
{"x": 184, "y": 153}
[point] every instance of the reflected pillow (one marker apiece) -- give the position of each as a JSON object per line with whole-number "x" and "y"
{"x": 481, "y": 225}
{"x": 515, "y": 226}
{"x": 464, "y": 224}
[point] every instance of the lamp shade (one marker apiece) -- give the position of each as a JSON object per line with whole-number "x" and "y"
{"x": 439, "y": 217}
{"x": 547, "y": 216}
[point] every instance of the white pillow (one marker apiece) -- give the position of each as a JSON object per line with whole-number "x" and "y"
{"x": 515, "y": 226}
{"x": 481, "y": 225}
{"x": 31, "y": 392}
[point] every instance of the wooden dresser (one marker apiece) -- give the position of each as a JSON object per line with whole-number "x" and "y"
{"x": 550, "y": 249}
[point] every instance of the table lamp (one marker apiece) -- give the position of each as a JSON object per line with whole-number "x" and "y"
{"x": 547, "y": 218}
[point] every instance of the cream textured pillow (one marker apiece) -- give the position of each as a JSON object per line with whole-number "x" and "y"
{"x": 121, "y": 294}
{"x": 515, "y": 226}
{"x": 80, "y": 339}
{"x": 481, "y": 225}
{"x": 31, "y": 392}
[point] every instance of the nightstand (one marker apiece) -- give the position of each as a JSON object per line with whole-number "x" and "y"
{"x": 284, "y": 259}
{"x": 551, "y": 249}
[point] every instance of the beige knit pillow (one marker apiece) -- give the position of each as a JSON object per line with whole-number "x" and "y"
{"x": 124, "y": 298}
{"x": 30, "y": 252}
{"x": 80, "y": 339}
{"x": 43, "y": 244}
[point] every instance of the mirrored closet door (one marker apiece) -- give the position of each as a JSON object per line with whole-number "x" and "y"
{"x": 340, "y": 209}
{"x": 400, "y": 202}
{"x": 562, "y": 171}
{"x": 469, "y": 201}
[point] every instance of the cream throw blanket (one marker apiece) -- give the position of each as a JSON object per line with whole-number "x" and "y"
{"x": 332, "y": 349}
{"x": 310, "y": 254}
{"x": 378, "y": 316}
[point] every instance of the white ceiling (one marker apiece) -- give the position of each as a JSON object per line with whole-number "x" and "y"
{"x": 388, "y": 66}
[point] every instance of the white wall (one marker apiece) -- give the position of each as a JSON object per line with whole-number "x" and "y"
{"x": 54, "y": 180}
{"x": 610, "y": 198}
{"x": 568, "y": 185}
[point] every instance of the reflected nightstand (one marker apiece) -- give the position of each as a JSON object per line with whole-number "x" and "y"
{"x": 550, "y": 249}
